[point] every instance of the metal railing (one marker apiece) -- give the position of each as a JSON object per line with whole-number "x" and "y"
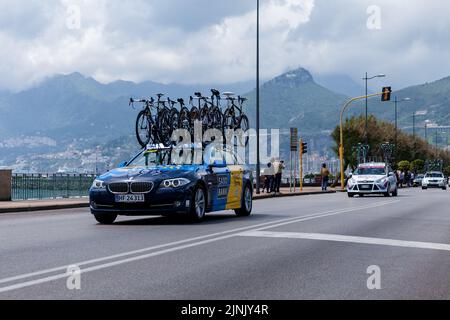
{"x": 50, "y": 186}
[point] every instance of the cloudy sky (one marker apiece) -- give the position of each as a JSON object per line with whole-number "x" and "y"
{"x": 201, "y": 41}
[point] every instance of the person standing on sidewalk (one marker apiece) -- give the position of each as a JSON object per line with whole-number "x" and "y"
{"x": 269, "y": 177}
{"x": 325, "y": 173}
{"x": 278, "y": 167}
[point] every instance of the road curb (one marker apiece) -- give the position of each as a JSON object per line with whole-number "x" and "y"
{"x": 44, "y": 207}
{"x": 296, "y": 194}
{"x": 86, "y": 204}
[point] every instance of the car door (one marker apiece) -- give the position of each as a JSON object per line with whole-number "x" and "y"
{"x": 234, "y": 199}
{"x": 218, "y": 180}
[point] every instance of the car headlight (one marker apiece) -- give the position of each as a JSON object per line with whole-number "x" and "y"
{"x": 381, "y": 181}
{"x": 98, "y": 184}
{"x": 174, "y": 183}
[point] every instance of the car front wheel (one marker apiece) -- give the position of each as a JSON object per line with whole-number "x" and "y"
{"x": 105, "y": 218}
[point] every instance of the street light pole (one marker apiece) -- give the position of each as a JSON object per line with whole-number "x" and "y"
{"x": 396, "y": 129}
{"x": 366, "y": 78}
{"x": 258, "y": 165}
{"x": 436, "y": 142}
{"x": 396, "y": 102}
{"x": 366, "y": 136}
{"x": 414, "y": 135}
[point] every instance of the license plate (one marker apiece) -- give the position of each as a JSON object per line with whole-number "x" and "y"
{"x": 130, "y": 198}
{"x": 366, "y": 187}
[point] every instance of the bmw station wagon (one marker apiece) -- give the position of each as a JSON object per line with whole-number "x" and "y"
{"x": 150, "y": 184}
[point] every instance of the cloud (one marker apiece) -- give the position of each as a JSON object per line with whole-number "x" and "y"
{"x": 201, "y": 41}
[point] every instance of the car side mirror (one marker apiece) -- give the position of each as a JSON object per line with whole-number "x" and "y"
{"x": 391, "y": 174}
{"x": 122, "y": 164}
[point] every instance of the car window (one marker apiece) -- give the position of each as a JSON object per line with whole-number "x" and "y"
{"x": 434, "y": 175}
{"x": 370, "y": 171}
{"x": 216, "y": 155}
{"x": 150, "y": 158}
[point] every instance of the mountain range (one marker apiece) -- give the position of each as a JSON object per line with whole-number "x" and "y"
{"x": 74, "y": 112}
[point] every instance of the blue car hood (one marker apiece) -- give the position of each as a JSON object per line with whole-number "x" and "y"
{"x": 152, "y": 173}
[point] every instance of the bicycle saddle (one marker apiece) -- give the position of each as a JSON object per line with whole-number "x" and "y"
{"x": 228, "y": 94}
{"x": 215, "y": 92}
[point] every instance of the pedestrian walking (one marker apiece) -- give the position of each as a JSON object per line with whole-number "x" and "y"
{"x": 402, "y": 179}
{"x": 325, "y": 173}
{"x": 408, "y": 179}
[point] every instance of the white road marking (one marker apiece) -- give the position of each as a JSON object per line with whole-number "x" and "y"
{"x": 197, "y": 241}
{"x": 349, "y": 239}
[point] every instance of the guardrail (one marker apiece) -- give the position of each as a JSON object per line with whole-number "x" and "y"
{"x": 50, "y": 186}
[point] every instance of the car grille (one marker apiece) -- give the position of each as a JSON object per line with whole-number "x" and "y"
{"x": 141, "y": 187}
{"x": 118, "y": 187}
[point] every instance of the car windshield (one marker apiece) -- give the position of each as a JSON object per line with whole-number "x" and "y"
{"x": 434, "y": 175}
{"x": 370, "y": 171}
{"x": 150, "y": 158}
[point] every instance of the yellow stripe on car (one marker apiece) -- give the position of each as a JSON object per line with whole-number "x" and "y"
{"x": 235, "y": 190}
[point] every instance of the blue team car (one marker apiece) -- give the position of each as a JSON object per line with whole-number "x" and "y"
{"x": 149, "y": 184}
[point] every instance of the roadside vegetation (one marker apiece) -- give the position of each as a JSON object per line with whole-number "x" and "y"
{"x": 412, "y": 152}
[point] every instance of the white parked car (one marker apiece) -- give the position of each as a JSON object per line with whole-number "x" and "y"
{"x": 372, "y": 178}
{"x": 434, "y": 179}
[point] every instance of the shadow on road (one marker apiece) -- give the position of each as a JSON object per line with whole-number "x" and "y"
{"x": 181, "y": 220}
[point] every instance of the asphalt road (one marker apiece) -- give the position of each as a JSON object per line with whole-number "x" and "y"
{"x": 310, "y": 247}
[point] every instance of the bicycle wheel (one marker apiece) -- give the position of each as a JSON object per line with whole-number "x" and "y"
{"x": 175, "y": 119}
{"x": 143, "y": 128}
{"x": 204, "y": 118}
{"x": 194, "y": 115}
{"x": 175, "y": 122}
{"x": 164, "y": 127}
{"x": 228, "y": 121}
{"x": 184, "y": 119}
{"x": 244, "y": 125}
{"x": 216, "y": 118}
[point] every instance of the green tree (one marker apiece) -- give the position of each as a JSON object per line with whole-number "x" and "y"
{"x": 404, "y": 165}
{"x": 409, "y": 147}
{"x": 447, "y": 171}
{"x": 418, "y": 166}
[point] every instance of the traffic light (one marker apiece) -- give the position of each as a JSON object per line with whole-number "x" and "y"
{"x": 386, "y": 96}
{"x": 304, "y": 147}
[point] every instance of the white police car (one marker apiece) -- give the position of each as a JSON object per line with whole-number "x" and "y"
{"x": 372, "y": 178}
{"x": 434, "y": 179}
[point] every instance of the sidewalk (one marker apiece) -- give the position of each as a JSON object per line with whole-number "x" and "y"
{"x": 38, "y": 205}
{"x": 57, "y": 204}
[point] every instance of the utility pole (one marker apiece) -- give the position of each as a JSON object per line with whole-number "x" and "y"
{"x": 436, "y": 143}
{"x": 366, "y": 79}
{"x": 301, "y": 165}
{"x": 258, "y": 160}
